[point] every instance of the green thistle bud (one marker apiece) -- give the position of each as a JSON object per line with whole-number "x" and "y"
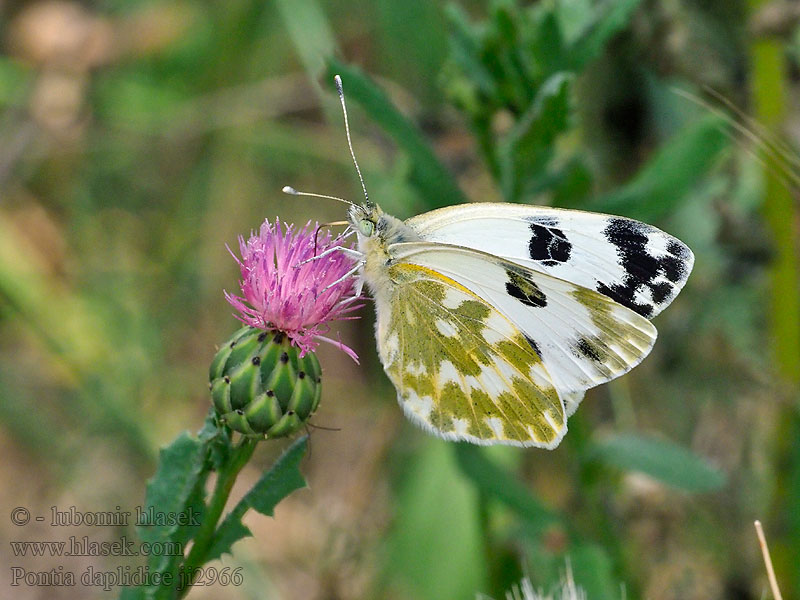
{"x": 261, "y": 386}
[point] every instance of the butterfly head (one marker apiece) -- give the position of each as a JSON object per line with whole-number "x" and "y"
{"x": 364, "y": 218}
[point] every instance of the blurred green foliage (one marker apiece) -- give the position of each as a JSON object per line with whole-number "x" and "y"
{"x": 138, "y": 138}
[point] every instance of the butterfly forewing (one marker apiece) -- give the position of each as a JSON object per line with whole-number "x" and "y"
{"x": 461, "y": 368}
{"x": 634, "y": 264}
{"x": 583, "y": 337}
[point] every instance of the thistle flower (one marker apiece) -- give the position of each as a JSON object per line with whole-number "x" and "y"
{"x": 279, "y": 293}
{"x": 266, "y": 379}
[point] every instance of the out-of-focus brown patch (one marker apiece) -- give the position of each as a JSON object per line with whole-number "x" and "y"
{"x": 555, "y": 540}
{"x": 153, "y": 28}
{"x": 684, "y": 577}
{"x": 57, "y": 102}
{"x": 56, "y": 32}
{"x": 41, "y": 233}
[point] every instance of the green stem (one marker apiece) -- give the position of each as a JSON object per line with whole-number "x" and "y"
{"x": 769, "y": 92}
{"x": 205, "y": 536}
{"x": 770, "y": 104}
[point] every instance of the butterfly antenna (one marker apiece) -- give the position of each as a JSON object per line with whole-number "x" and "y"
{"x": 287, "y": 189}
{"x": 340, "y": 91}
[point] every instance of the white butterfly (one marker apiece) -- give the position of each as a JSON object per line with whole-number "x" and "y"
{"x": 494, "y": 319}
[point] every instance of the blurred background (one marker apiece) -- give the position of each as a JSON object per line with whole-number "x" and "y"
{"x": 139, "y": 137}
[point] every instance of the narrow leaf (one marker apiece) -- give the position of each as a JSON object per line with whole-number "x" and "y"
{"x": 465, "y": 51}
{"x": 434, "y": 549}
{"x": 593, "y": 571}
{"x": 589, "y": 46}
{"x": 310, "y": 31}
{"x": 668, "y": 179}
{"x": 660, "y": 459}
{"x": 527, "y": 148}
{"x": 281, "y": 480}
{"x": 314, "y": 41}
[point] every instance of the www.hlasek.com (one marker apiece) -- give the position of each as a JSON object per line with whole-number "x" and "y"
{"x": 84, "y": 546}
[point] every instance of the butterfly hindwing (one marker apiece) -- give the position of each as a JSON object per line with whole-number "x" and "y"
{"x": 583, "y": 337}
{"x": 634, "y": 264}
{"x": 461, "y": 368}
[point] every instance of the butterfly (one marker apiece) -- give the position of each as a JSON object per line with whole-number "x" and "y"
{"x": 494, "y": 319}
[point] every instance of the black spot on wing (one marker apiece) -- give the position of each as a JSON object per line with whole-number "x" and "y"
{"x": 533, "y": 345}
{"x": 548, "y": 244}
{"x": 623, "y": 295}
{"x": 524, "y": 290}
{"x": 673, "y": 268}
{"x": 589, "y": 349}
{"x": 641, "y": 267}
{"x": 680, "y": 250}
{"x": 662, "y": 291}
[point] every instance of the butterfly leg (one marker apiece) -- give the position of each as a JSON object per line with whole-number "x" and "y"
{"x": 350, "y": 273}
{"x": 348, "y": 251}
{"x": 359, "y": 286}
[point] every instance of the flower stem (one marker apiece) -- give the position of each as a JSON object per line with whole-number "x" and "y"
{"x": 771, "y": 98}
{"x": 205, "y": 536}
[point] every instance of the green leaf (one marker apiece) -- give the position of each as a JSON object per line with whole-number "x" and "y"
{"x": 495, "y": 482}
{"x": 431, "y": 179}
{"x": 526, "y": 150}
{"x": 434, "y": 550}
{"x": 310, "y": 31}
{"x": 660, "y": 459}
{"x": 548, "y": 46}
{"x": 281, "y": 480}
{"x": 465, "y": 51}
{"x": 669, "y": 178}
{"x": 592, "y": 42}
{"x": 231, "y": 531}
{"x": 574, "y": 17}
{"x": 593, "y": 571}
{"x": 277, "y": 483}
{"x": 177, "y": 487}
{"x": 412, "y": 43}
{"x": 180, "y": 467}
{"x": 314, "y": 41}
{"x": 133, "y": 593}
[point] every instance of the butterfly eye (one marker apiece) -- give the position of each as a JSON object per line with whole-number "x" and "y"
{"x": 366, "y": 227}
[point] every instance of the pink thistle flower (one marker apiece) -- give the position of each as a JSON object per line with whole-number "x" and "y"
{"x": 279, "y": 293}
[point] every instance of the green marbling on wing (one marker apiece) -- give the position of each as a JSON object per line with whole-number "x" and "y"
{"x": 600, "y": 309}
{"x": 413, "y": 349}
{"x": 632, "y": 337}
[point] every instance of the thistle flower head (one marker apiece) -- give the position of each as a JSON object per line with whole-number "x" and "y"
{"x": 281, "y": 292}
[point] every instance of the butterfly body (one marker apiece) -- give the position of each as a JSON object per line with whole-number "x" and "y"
{"x": 494, "y": 319}
{"x": 377, "y": 232}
